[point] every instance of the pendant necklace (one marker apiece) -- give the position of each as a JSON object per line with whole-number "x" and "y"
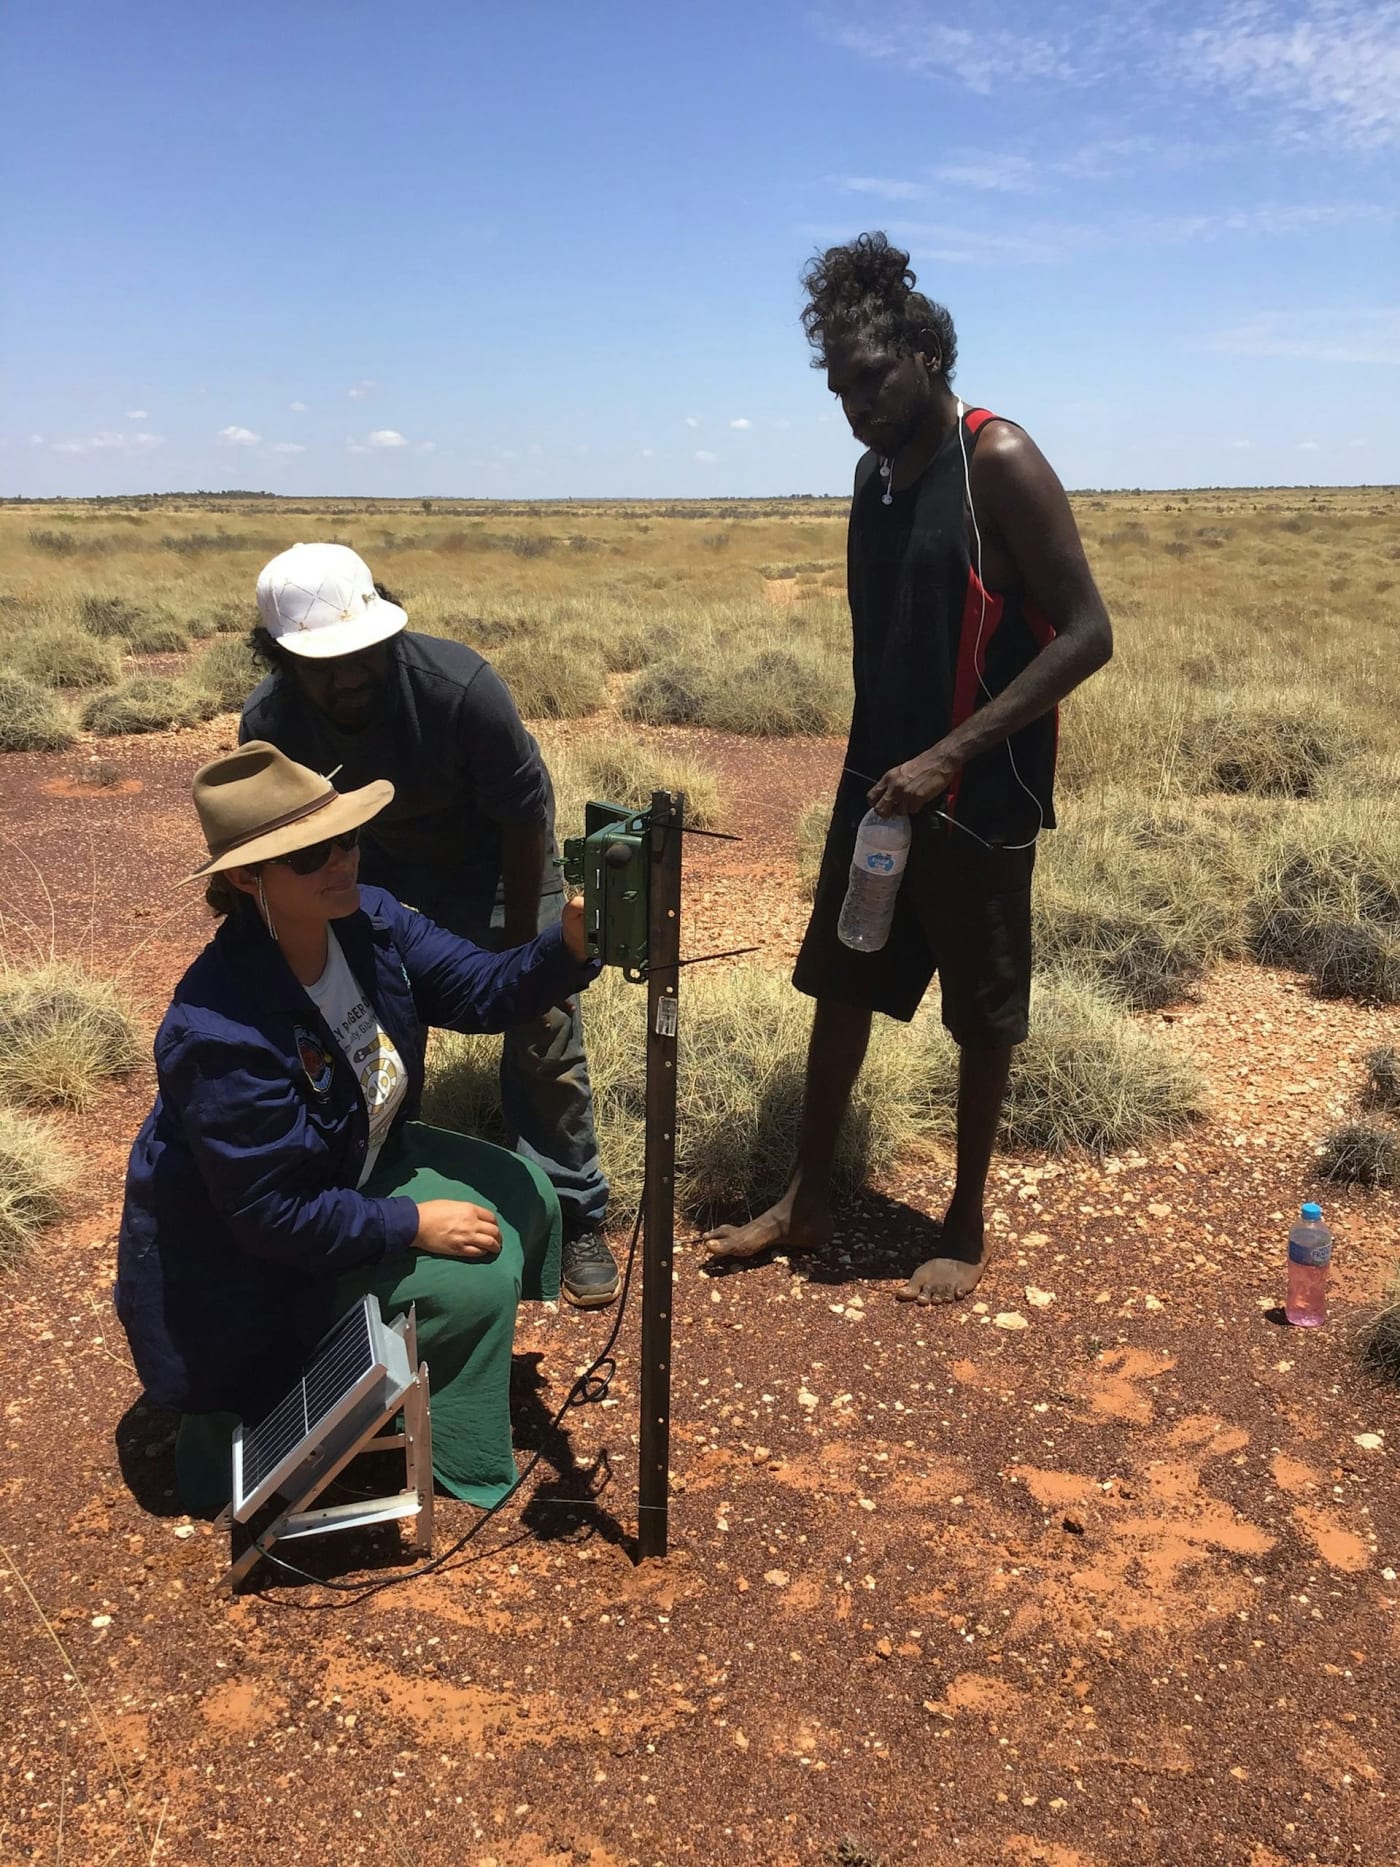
{"x": 886, "y": 467}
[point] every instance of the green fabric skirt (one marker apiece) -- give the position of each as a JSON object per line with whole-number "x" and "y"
{"x": 465, "y": 1312}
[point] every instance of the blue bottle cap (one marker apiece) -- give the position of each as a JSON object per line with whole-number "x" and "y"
{"x": 1312, "y": 1213}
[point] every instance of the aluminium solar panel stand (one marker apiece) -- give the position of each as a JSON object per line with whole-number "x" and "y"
{"x": 363, "y": 1373}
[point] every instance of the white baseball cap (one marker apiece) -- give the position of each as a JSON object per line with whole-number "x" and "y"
{"x": 320, "y": 601}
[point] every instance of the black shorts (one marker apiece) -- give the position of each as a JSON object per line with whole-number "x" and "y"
{"x": 963, "y": 912}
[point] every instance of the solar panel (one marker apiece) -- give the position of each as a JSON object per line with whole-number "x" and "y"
{"x": 359, "y": 1368}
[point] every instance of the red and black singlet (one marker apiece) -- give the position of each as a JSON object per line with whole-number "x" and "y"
{"x": 930, "y": 646}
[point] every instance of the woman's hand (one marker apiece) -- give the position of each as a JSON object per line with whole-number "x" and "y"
{"x": 450, "y": 1228}
{"x": 572, "y": 923}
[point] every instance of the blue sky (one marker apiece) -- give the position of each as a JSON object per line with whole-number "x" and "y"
{"x": 551, "y": 249}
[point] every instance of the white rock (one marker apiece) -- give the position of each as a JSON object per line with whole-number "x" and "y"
{"x": 1039, "y": 1299}
{"x": 1011, "y": 1319}
{"x": 1369, "y": 1442}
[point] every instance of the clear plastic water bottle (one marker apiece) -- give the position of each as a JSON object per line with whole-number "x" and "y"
{"x": 1309, "y": 1260}
{"x": 877, "y": 868}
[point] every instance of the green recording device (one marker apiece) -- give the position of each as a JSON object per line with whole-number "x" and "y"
{"x": 610, "y": 862}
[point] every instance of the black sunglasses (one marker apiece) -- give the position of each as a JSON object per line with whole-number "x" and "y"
{"x": 316, "y": 855}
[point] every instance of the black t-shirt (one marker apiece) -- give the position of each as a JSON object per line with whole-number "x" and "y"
{"x": 462, "y": 764}
{"x": 930, "y": 645}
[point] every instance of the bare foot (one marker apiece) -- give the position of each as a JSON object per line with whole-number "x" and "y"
{"x": 793, "y": 1224}
{"x": 948, "y": 1279}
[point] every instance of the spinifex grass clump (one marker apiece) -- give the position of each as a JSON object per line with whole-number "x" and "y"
{"x": 1269, "y": 745}
{"x": 62, "y": 1032}
{"x": 743, "y": 1057}
{"x": 34, "y": 1175}
{"x": 1382, "y": 1089}
{"x": 1088, "y": 1077}
{"x": 551, "y": 678}
{"x": 227, "y": 673}
{"x": 1361, "y": 1154}
{"x": 147, "y": 703}
{"x": 747, "y": 681}
{"x": 139, "y": 631}
{"x": 626, "y": 771}
{"x": 812, "y": 826}
{"x": 1380, "y": 1339}
{"x": 1139, "y": 896}
{"x": 59, "y": 654}
{"x": 31, "y": 717}
{"x": 1327, "y": 900}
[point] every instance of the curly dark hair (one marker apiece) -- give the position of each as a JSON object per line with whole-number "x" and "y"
{"x": 265, "y": 652}
{"x": 866, "y": 290}
{"x": 221, "y": 895}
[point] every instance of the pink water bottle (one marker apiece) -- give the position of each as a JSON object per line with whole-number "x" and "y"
{"x": 1309, "y": 1260}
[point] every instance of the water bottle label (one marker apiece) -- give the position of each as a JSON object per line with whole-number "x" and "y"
{"x": 1315, "y": 1254}
{"x": 882, "y": 861}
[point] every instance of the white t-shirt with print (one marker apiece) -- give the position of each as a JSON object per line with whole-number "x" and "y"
{"x": 378, "y": 1067}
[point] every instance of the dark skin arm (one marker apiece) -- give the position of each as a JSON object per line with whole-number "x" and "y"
{"x": 1030, "y": 543}
{"x": 522, "y": 870}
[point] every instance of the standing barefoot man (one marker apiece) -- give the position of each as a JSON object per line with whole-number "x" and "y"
{"x": 973, "y": 614}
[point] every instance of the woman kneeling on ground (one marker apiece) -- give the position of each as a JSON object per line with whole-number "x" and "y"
{"x": 281, "y": 1174}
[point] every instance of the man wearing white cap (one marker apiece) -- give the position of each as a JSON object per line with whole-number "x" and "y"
{"x": 468, "y": 839}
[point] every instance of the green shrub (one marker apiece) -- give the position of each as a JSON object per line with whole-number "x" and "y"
{"x": 1359, "y": 1154}
{"x": 147, "y": 703}
{"x": 62, "y": 1032}
{"x": 35, "y": 1173}
{"x": 743, "y": 1057}
{"x": 1087, "y": 1077}
{"x": 62, "y": 655}
{"x": 31, "y": 717}
{"x": 227, "y": 672}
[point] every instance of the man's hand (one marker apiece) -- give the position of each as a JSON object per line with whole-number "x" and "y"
{"x": 572, "y": 923}
{"x": 906, "y": 788}
{"x": 451, "y": 1228}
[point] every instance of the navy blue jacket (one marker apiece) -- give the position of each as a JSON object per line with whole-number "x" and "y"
{"x": 241, "y": 1210}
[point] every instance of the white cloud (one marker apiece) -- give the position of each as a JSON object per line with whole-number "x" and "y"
{"x": 1317, "y": 71}
{"x": 984, "y": 58}
{"x": 36, "y": 440}
{"x": 136, "y": 414}
{"x": 1330, "y": 68}
{"x": 884, "y": 190}
{"x": 1001, "y": 174}
{"x": 741, "y": 421}
{"x": 648, "y": 453}
{"x": 692, "y": 421}
{"x": 386, "y": 437}
{"x": 366, "y": 386}
{"x": 288, "y": 447}
{"x": 1365, "y": 334}
{"x": 239, "y": 437}
{"x": 107, "y": 440}
{"x": 1309, "y": 447}
{"x": 704, "y": 455}
{"x": 782, "y": 422}
{"x": 426, "y": 447}
{"x": 297, "y": 408}
{"x": 1241, "y": 443}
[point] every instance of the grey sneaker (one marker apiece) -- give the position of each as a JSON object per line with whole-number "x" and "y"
{"x": 590, "y": 1275}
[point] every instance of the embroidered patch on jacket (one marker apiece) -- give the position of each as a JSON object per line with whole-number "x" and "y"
{"x": 315, "y": 1059}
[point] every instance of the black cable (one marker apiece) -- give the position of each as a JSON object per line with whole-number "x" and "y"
{"x": 590, "y": 1386}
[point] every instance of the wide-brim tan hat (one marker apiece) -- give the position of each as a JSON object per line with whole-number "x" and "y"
{"x": 257, "y": 803}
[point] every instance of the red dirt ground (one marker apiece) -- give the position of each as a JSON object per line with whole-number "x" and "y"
{"x": 1097, "y": 1580}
